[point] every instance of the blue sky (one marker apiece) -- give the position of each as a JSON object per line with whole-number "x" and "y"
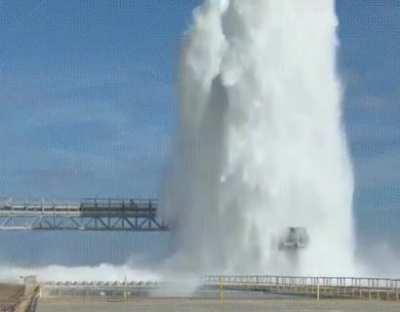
{"x": 370, "y": 67}
{"x": 87, "y": 95}
{"x": 88, "y": 99}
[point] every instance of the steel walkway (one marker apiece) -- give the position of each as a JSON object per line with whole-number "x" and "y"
{"x": 85, "y": 215}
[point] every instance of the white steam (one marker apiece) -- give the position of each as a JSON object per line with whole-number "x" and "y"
{"x": 261, "y": 145}
{"x": 102, "y": 272}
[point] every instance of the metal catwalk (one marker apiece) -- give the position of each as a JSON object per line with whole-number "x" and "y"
{"x": 86, "y": 215}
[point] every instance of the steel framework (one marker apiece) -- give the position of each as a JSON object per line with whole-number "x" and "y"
{"x": 86, "y": 215}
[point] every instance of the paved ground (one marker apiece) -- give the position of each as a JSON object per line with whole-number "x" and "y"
{"x": 9, "y": 295}
{"x": 200, "y": 305}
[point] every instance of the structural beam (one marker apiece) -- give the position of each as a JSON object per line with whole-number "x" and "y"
{"x": 137, "y": 215}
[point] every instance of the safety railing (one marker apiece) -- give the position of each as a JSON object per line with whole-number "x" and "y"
{"x": 298, "y": 281}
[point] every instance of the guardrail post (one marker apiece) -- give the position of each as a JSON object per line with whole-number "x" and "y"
{"x": 125, "y": 289}
{"x": 221, "y": 290}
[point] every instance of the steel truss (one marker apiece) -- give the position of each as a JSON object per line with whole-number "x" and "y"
{"x": 88, "y": 215}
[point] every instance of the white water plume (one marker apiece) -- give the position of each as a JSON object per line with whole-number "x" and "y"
{"x": 102, "y": 272}
{"x": 261, "y": 145}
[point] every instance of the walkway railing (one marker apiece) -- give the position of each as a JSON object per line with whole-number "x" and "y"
{"x": 324, "y": 286}
{"x": 309, "y": 286}
{"x": 334, "y": 281}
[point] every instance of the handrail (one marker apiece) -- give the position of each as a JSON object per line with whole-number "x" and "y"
{"x": 332, "y": 281}
{"x": 8, "y": 205}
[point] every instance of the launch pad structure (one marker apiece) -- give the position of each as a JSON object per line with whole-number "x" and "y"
{"x": 135, "y": 215}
